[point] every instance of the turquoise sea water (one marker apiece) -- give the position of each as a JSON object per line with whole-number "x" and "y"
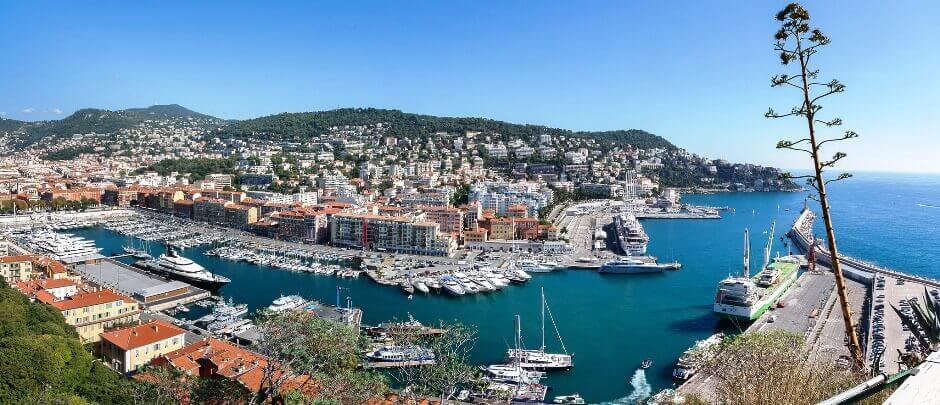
{"x": 612, "y": 322}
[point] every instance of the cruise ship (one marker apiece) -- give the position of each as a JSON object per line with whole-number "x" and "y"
{"x": 180, "y": 268}
{"x": 631, "y": 237}
{"x": 746, "y": 298}
{"x": 630, "y": 265}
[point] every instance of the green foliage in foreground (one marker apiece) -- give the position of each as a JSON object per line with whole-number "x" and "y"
{"x": 773, "y": 368}
{"x": 42, "y": 360}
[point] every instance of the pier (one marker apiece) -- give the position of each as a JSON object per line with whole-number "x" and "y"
{"x": 153, "y": 292}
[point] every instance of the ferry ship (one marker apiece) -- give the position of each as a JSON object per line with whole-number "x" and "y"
{"x": 746, "y": 298}
{"x": 180, "y": 268}
{"x": 630, "y": 234}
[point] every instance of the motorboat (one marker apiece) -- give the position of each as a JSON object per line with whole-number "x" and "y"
{"x": 573, "y": 399}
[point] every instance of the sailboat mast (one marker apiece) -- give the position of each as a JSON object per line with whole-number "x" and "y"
{"x": 543, "y": 319}
{"x": 770, "y": 244}
{"x": 747, "y": 254}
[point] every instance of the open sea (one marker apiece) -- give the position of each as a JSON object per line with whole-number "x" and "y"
{"x": 612, "y": 322}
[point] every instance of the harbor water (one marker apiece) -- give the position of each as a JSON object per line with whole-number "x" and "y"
{"x": 613, "y": 322}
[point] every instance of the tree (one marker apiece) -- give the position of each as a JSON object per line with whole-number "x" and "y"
{"x": 298, "y": 343}
{"x": 162, "y": 385}
{"x": 797, "y": 43}
{"x": 451, "y": 370}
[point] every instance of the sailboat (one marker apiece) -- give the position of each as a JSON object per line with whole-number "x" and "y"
{"x": 512, "y": 382}
{"x": 540, "y": 359}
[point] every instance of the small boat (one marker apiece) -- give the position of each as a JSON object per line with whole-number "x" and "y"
{"x": 568, "y": 399}
{"x": 407, "y": 287}
{"x": 646, "y": 364}
{"x": 182, "y": 308}
{"x": 421, "y": 286}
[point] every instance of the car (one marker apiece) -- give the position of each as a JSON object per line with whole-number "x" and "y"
{"x": 772, "y": 319}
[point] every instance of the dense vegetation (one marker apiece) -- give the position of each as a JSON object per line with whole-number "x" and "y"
{"x": 42, "y": 360}
{"x": 8, "y": 125}
{"x": 199, "y": 167}
{"x": 301, "y": 126}
{"x": 95, "y": 120}
{"x": 68, "y": 153}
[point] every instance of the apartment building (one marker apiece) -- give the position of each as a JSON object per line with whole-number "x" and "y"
{"x": 16, "y": 268}
{"x": 389, "y": 233}
{"x": 91, "y": 312}
{"x": 127, "y": 349}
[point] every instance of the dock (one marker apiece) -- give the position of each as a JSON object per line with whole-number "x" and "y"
{"x": 152, "y": 291}
{"x": 811, "y": 308}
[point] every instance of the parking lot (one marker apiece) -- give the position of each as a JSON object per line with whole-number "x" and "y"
{"x": 888, "y": 331}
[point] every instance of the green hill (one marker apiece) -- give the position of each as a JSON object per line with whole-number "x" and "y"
{"x": 164, "y": 111}
{"x": 8, "y": 125}
{"x": 88, "y": 120}
{"x": 301, "y": 126}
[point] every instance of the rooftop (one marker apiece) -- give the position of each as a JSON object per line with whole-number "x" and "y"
{"x": 141, "y": 335}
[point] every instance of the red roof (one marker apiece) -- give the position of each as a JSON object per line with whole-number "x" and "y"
{"x": 90, "y": 298}
{"x": 16, "y": 259}
{"x": 141, "y": 335}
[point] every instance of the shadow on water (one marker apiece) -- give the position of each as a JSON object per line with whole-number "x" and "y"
{"x": 703, "y": 323}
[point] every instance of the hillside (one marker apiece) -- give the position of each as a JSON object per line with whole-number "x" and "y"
{"x": 165, "y": 111}
{"x": 8, "y": 125}
{"x": 301, "y": 126}
{"x": 88, "y": 120}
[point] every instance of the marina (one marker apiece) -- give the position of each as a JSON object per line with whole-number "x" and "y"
{"x": 629, "y": 309}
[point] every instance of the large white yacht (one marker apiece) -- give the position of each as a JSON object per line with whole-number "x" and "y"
{"x": 62, "y": 247}
{"x": 178, "y": 267}
{"x": 630, "y": 265}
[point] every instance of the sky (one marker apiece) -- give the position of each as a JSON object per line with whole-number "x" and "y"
{"x": 694, "y": 72}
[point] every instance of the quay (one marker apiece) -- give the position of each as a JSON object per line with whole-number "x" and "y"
{"x": 153, "y": 292}
{"x": 811, "y": 308}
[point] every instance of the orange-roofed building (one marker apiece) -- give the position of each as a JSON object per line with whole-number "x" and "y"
{"x": 16, "y": 268}
{"x": 127, "y": 349}
{"x": 60, "y": 289}
{"x": 216, "y": 357}
{"x": 50, "y": 267}
{"x": 92, "y": 312}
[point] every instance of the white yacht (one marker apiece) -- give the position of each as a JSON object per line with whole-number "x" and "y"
{"x": 285, "y": 303}
{"x": 177, "y": 267}
{"x": 401, "y": 354}
{"x": 630, "y": 265}
{"x": 452, "y": 286}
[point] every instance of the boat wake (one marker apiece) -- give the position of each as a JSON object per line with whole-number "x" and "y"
{"x": 928, "y": 206}
{"x": 641, "y": 390}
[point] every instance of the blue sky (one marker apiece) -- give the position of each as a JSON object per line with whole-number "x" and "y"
{"x": 694, "y": 72}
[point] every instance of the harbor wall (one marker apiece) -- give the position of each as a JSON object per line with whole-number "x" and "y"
{"x": 855, "y": 269}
